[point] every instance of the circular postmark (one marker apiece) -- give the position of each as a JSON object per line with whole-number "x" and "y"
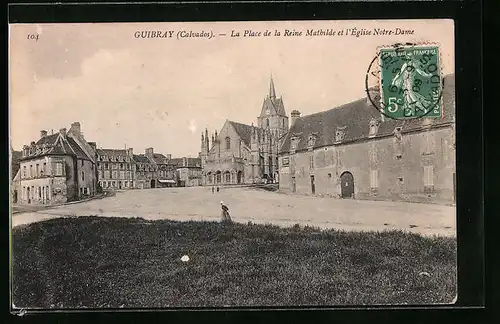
{"x": 406, "y": 81}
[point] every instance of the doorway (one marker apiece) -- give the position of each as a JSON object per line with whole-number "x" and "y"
{"x": 153, "y": 183}
{"x": 239, "y": 177}
{"x": 347, "y": 185}
{"x": 313, "y": 185}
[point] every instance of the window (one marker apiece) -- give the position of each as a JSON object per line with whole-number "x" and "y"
{"x": 59, "y": 169}
{"x": 82, "y": 162}
{"x": 24, "y": 172}
{"x": 311, "y": 162}
{"x": 83, "y": 176}
{"x": 99, "y": 174}
{"x": 339, "y": 158}
{"x": 374, "y": 179}
{"x": 31, "y": 171}
{"x": 44, "y": 170}
{"x": 105, "y": 165}
{"x": 37, "y": 170}
{"x": 283, "y": 123}
{"x": 121, "y": 165}
{"x": 228, "y": 143}
{"x": 428, "y": 176}
{"x": 267, "y": 122}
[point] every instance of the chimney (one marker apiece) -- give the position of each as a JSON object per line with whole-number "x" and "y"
{"x": 130, "y": 152}
{"x": 149, "y": 152}
{"x": 184, "y": 162}
{"x": 62, "y": 131}
{"x": 295, "y": 115}
{"x": 169, "y": 156}
{"x": 43, "y": 133}
{"x": 75, "y": 128}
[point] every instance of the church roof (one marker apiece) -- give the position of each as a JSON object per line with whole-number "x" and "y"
{"x": 354, "y": 119}
{"x": 245, "y": 131}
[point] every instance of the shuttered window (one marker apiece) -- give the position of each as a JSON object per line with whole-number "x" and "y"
{"x": 374, "y": 179}
{"x": 428, "y": 175}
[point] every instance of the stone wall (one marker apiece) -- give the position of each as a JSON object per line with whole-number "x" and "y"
{"x": 420, "y": 167}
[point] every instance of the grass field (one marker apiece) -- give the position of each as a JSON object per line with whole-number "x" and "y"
{"x": 120, "y": 262}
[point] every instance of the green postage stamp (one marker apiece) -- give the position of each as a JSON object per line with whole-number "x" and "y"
{"x": 411, "y": 82}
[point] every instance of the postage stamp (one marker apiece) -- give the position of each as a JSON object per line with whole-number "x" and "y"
{"x": 410, "y": 83}
{"x": 409, "y": 80}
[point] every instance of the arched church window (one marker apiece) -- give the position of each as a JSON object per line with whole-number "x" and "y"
{"x": 228, "y": 143}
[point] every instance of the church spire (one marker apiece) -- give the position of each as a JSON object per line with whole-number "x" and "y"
{"x": 272, "y": 92}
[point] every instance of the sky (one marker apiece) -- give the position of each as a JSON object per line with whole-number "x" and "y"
{"x": 163, "y": 92}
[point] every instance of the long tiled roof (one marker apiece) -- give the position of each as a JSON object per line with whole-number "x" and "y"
{"x": 159, "y": 158}
{"x": 141, "y": 158}
{"x": 245, "y": 131}
{"x": 111, "y": 152}
{"x": 57, "y": 144}
{"x": 354, "y": 119}
{"x": 191, "y": 162}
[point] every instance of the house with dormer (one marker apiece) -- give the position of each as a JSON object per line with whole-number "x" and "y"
{"x": 57, "y": 168}
{"x": 353, "y": 151}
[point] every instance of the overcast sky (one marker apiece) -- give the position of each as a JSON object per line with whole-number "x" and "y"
{"x": 163, "y": 93}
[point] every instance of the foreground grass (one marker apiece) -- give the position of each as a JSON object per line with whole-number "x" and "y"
{"x": 119, "y": 262}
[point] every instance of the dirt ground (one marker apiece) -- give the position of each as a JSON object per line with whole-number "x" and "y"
{"x": 259, "y": 206}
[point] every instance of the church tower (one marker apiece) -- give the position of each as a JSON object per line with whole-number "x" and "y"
{"x": 273, "y": 115}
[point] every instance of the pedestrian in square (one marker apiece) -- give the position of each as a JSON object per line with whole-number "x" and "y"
{"x": 212, "y": 189}
{"x": 226, "y": 218}
{"x": 217, "y": 189}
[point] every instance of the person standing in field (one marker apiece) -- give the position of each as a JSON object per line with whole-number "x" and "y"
{"x": 226, "y": 218}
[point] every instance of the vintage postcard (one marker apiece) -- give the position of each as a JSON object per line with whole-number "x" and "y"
{"x": 233, "y": 164}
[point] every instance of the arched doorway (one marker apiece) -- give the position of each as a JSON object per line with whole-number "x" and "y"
{"x": 218, "y": 177}
{"x": 153, "y": 183}
{"x": 239, "y": 177}
{"x": 347, "y": 185}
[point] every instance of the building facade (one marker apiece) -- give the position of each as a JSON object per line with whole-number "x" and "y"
{"x": 355, "y": 152}
{"x": 246, "y": 154}
{"x": 189, "y": 171}
{"x": 115, "y": 168}
{"x": 57, "y": 168}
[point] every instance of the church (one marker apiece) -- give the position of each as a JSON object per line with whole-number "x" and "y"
{"x": 246, "y": 154}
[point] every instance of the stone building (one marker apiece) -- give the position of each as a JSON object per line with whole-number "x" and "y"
{"x": 165, "y": 175}
{"x": 188, "y": 171}
{"x": 57, "y": 168}
{"x": 354, "y": 152}
{"x": 242, "y": 153}
{"x": 116, "y": 168}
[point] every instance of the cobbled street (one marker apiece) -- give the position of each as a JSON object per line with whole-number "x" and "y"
{"x": 260, "y": 206}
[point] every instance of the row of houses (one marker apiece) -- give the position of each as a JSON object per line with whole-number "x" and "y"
{"x": 64, "y": 167}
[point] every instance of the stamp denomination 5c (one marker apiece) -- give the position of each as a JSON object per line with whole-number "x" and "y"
{"x": 410, "y": 81}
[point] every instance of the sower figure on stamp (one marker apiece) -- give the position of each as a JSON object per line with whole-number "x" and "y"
{"x": 225, "y": 213}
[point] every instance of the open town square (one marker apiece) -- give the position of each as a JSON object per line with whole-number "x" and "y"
{"x": 199, "y": 203}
